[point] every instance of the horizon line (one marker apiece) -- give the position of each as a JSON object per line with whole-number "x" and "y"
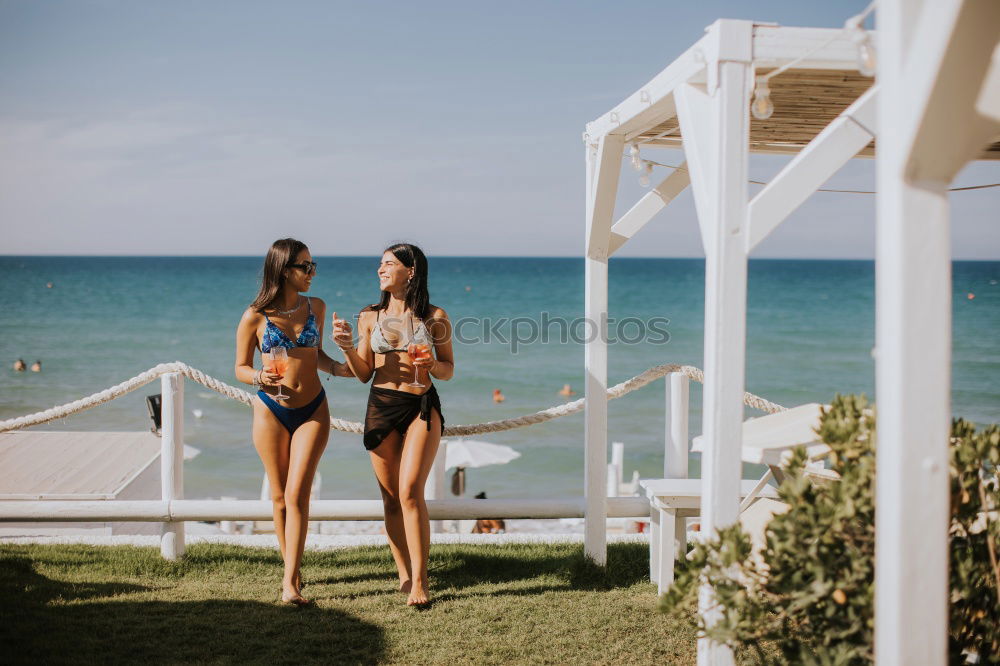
{"x": 439, "y": 256}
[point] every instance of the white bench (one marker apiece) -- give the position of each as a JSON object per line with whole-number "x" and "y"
{"x": 767, "y": 440}
{"x": 671, "y": 502}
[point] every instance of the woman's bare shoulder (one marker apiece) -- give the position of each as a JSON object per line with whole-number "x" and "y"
{"x": 251, "y": 317}
{"x": 434, "y": 312}
{"x": 367, "y": 315}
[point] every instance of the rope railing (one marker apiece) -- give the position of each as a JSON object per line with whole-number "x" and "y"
{"x": 234, "y": 393}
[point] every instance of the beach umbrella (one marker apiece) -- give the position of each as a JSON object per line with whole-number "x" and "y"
{"x": 473, "y": 453}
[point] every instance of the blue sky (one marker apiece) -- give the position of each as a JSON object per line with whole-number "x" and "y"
{"x": 215, "y": 127}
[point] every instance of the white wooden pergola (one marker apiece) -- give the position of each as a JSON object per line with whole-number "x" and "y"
{"x": 936, "y": 114}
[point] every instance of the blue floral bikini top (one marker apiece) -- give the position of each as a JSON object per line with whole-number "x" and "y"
{"x": 275, "y": 337}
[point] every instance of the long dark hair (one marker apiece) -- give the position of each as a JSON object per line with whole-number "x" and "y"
{"x": 282, "y": 253}
{"x": 417, "y": 298}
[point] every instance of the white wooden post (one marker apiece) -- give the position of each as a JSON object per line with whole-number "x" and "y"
{"x": 933, "y": 58}
{"x": 172, "y": 460}
{"x": 435, "y": 488}
{"x": 715, "y": 125}
{"x": 675, "y": 449}
{"x": 602, "y": 170}
{"x": 618, "y": 462}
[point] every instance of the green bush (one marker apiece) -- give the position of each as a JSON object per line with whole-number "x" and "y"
{"x": 809, "y": 593}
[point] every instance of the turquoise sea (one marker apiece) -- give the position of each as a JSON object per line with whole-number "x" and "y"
{"x": 810, "y": 334}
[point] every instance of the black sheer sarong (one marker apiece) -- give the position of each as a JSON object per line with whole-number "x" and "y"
{"x": 390, "y": 410}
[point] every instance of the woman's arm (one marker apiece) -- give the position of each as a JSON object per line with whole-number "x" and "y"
{"x": 246, "y": 343}
{"x": 443, "y": 366}
{"x": 360, "y": 361}
{"x": 324, "y": 362}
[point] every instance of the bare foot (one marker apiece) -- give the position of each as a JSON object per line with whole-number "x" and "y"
{"x": 292, "y": 596}
{"x": 405, "y": 586}
{"x": 419, "y": 596}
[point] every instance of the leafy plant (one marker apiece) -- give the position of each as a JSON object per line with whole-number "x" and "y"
{"x": 809, "y": 592}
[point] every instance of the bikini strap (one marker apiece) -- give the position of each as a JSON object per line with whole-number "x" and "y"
{"x": 309, "y": 304}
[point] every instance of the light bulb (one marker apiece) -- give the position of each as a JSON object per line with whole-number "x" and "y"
{"x": 866, "y": 50}
{"x": 762, "y": 107}
{"x": 867, "y": 62}
{"x": 633, "y": 151}
{"x": 647, "y": 171}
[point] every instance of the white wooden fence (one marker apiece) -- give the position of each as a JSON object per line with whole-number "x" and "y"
{"x": 173, "y": 510}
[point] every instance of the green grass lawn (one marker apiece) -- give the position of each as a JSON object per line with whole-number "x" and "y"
{"x": 538, "y": 603}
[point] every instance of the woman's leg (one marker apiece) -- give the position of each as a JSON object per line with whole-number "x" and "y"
{"x": 385, "y": 461}
{"x": 271, "y": 440}
{"x": 419, "y": 449}
{"x": 308, "y": 442}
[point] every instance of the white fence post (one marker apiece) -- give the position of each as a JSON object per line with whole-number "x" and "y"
{"x": 675, "y": 450}
{"x": 172, "y": 460}
{"x": 675, "y": 465}
{"x": 616, "y": 469}
{"x": 435, "y": 488}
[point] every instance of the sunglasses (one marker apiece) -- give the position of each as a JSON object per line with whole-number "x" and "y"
{"x": 307, "y": 267}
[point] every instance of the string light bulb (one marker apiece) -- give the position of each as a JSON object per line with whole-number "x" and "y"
{"x": 867, "y": 62}
{"x": 647, "y": 171}
{"x": 762, "y": 107}
{"x": 633, "y": 152}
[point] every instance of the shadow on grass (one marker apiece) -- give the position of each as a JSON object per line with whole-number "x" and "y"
{"x": 51, "y": 621}
{"x": 558, "y": 568}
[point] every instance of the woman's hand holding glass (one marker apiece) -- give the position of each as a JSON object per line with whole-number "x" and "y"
{"x": 420, "y": 356}
{"x": 342, "y": 334}
{"x": 276, "y": 363}
{"x": 268, "y": 378}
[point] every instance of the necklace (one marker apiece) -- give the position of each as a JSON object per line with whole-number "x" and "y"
{"x": 285, "y": 313}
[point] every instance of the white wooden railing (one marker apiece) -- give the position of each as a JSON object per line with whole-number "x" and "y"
{"x": 173, "y": 510}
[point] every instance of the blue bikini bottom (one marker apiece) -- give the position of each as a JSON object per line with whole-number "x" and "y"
{"x": 292, "y": 417}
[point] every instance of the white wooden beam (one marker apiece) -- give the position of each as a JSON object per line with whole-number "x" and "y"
{"x": 839, "y": 141}
{"x": 932, "y": 60}
{"x": 913, "y": 379}
{"x": 696, "y": 114}
{"x": 604, "y": 164}
{"x": 648, "y": 206}
{"x": 652, "y": 104}
{"x": 603, "y": 192}
{"x": 944, "y": 72}
{"x": 345, "y": 509}
{"x": 725, "y": 320}
{"x": 774, "y": 46}
{"x": 988, "y": 104}
{"x": 715, "y": 125}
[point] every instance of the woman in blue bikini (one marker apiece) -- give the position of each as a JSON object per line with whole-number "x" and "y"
{"x": 289, "y": 437}
{"x": 403, "y": 423}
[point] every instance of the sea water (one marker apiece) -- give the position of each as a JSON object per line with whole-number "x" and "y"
{"x": 810, "y": 333}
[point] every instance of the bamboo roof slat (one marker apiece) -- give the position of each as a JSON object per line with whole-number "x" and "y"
{"x": 805, "y": 102}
